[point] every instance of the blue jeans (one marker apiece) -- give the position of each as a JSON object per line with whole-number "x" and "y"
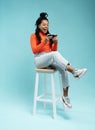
{"x": 56, "y": 60}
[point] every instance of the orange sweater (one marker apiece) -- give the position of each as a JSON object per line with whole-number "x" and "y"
{"x": 42, "y": 47}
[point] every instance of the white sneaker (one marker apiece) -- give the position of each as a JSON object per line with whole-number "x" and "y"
{"x": 79, "y": 73}
{"x": 66, "y": 102}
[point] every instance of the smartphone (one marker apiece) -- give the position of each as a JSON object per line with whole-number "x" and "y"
{"x": 52, "y": 35}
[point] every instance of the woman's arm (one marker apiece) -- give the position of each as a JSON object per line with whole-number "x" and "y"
{"x": 55, "y": 43}
{"x": 36, "y": 48}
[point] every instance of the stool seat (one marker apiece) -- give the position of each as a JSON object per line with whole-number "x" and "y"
{"x": 43, "y": 70}
{"x": 42, "y": 97}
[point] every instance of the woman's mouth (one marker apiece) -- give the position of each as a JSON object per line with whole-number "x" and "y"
{"x": 44, "y": 30}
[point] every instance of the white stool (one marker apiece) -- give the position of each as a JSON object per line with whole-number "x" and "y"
{"x": 40, "y": 97}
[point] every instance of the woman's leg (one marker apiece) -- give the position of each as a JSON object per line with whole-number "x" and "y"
{"x": 51, "y": 58}
{"x": 65, "y": 85}
{"x": 56, "y": 59}
{"x": 65, "y": 92}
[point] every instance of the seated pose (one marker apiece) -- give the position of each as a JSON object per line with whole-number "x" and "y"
{"x": 44, "y": 46}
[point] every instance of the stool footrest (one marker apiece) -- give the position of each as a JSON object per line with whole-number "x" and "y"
{"x": 46, "y": 100}
{"x": 43, "y": 98}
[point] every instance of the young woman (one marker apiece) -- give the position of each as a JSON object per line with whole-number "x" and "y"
{"x": 44, "y": 46}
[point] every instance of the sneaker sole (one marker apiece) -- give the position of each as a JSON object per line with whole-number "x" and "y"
{"x": 66, "y": 106}
{"x": 81, "y": 74}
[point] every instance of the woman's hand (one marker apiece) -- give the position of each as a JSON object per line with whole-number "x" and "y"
{"x": 55, "y": 38}
{"x": 48, "y": 37}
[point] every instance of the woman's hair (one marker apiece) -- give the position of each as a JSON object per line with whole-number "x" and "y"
{"x": 43, "y": 16}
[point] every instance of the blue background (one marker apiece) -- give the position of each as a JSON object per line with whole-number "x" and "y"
{"x": 74, "y": 22}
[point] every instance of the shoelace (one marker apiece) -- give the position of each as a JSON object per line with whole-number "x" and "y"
{"x": 68, "y": 100}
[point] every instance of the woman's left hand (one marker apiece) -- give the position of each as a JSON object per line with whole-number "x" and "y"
{"x": 55, "y": 38}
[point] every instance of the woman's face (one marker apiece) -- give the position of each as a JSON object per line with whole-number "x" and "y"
{"x": 44, "y": 25}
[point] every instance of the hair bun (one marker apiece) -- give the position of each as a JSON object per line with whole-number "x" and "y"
{"x": 43, "y": 15}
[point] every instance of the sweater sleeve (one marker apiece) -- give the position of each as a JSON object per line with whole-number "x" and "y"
{"x": 36, "y": 48}
{"x": 54, "y": 46}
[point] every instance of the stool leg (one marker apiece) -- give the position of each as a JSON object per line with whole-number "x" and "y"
{"x": 35, "y": 93}
{"x": 53, "y": 96}
{"x": 60, "y": 80}
{"x": 45, "y": 87}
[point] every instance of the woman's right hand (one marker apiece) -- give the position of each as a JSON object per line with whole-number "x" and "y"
{"x": 47, "y": 38}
